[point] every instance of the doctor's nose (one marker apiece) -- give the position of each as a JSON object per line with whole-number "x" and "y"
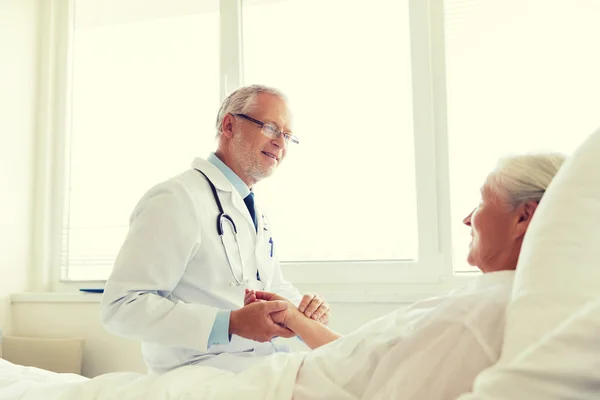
{"x": 279, "y": 142}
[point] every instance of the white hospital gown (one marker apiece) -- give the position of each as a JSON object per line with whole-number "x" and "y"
{"x": 432, "y": 350}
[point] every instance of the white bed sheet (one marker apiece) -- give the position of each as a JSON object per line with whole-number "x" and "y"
{"x": 272, "y": 380}
{"x": 24, "y": 383}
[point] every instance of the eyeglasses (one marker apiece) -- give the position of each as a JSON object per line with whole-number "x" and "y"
{"x": 270, "y": 130}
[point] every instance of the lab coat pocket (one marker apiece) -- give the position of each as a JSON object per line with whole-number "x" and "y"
{"x": 265, "y": 261}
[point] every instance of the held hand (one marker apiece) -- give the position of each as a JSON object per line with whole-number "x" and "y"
{"x": 315, "y": 307}
{"x": 254, "y": 321}
{"x": 287, "y": 316}
{"x": 280, "y": 317}
{"x": 269, "y": 296}
{"x": 250, "y": 297}
{"x": 259, "y": 295}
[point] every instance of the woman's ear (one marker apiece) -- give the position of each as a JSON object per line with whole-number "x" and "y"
{"x": 525, "y": 214}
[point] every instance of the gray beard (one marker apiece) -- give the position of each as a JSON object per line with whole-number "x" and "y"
{"x": 252, "y": 167}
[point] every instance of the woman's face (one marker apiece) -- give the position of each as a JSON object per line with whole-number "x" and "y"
{"x": 495, "y": 243}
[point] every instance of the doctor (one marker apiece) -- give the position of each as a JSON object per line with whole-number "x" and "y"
{"x": 198, "y": 241}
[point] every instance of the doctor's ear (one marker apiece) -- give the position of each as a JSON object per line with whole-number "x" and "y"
{"x": 227, "y": 125}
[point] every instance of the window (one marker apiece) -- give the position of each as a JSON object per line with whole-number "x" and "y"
{"x": 347, "y": 192}
{"x": 144, "y": 97}
{"x": 145, "y": 81}
{"x": 367, "y": 191}
{"x": 522, "y": 75}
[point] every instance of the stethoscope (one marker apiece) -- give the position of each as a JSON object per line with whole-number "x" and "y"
{"x": 220, "y": 219}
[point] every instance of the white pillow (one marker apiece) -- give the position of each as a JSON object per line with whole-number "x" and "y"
{"x": 558, "y": 272}
{"x": 564, "y": 364}
{"x": 559, "y": 265}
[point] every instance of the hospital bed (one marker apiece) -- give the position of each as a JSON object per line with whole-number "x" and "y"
{"x": 551, "y": 348}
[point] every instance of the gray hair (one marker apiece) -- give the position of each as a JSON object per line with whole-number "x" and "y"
{"x": 242, "y": 100}
{"x": 523, "y": 178}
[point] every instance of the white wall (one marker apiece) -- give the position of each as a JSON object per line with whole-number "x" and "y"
{"x": 18, "y": 87}
{"x": 105, "y": 353}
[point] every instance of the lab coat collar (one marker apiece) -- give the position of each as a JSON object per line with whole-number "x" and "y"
{"x": 213, "y": 173}
{"x": 235, "y": 180}
{"x": 222, "y": 183}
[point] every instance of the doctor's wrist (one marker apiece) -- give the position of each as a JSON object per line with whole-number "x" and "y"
{"x": 233, "y": 322}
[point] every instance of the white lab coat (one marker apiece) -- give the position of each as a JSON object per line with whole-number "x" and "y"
{"x": 171, "y": 275}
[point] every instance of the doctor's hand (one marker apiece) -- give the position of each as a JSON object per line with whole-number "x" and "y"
{"x": 254, "y": 321}
{"x": 314, "y": 307}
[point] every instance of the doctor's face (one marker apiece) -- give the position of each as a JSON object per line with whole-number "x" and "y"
{"x": 492, "y": 225}
{"x": 257, "y": 154}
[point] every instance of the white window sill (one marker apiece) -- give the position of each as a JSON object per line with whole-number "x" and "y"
{"x": 363, "y": 293}
{"x": 333, "y": 297}
{"x": 41, "y": 297}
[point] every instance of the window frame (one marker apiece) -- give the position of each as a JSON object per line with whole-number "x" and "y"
{"x": 434, "y": 263}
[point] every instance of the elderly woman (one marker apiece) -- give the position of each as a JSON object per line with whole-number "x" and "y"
{"x": 435, "y": 348}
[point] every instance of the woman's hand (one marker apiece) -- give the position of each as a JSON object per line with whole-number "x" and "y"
{"x": 312, "y": 306}
{"x": 258, "y": 295}
{"x": 288, "y": 317}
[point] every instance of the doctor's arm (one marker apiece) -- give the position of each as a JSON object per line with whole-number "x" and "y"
{"x": 162, "y": 239}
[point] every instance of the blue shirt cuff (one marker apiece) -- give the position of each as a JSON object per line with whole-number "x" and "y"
{"x": 220, "y": 330}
